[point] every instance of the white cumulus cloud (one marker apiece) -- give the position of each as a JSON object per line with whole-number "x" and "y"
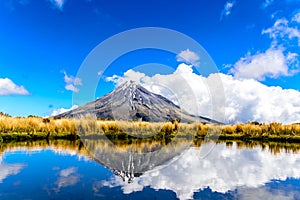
{"x": 278, "y": 60}
{"x": 250, "y": 100}
{"x": 271, "y": 63}
{"x": 227, "y": 8}
{"x": 8, "y": 87}
{"x": 245, "y": 99}
{"x": 189, "y": 57}
{"x": 72, "y": 82}
{"x": 63, "y": 110}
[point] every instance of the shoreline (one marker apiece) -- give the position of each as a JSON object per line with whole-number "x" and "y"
{"x": 36, "y": 128}
{"x": 23, "y": 137}
{"x": 78, "y": 145}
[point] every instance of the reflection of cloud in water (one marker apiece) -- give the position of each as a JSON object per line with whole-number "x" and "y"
{"x": 67, "y": 177}
{"x": 67, "y": 172}
{"x": 62, "y": 151}
{"x": 266, "y": 193}
{"x": 9, "y": 169}
{"x": 222, "y": 170}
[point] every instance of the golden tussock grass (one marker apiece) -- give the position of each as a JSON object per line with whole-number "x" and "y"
{"x": 37, "y": 127}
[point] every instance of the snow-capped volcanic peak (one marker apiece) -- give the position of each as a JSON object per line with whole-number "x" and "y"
{"x": 131, "y": 101}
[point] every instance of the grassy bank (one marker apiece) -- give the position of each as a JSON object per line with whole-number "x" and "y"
{"x": 36, "y": 128}
{"x": 261, "y": 132}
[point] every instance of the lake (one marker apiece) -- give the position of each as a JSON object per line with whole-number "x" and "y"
{"x": 148, "y": 170}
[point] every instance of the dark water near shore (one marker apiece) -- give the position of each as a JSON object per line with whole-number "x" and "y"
{"x": 66, "y": 170}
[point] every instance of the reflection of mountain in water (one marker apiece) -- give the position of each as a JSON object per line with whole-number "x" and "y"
{"x": 132, "y": 160}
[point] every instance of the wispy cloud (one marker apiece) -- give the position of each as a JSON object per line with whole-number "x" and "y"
{"x": 189, "y": 57}
{"x": 227, "y": 8}
{"x": 72, "y": 82}
{"x": 67, "y": 177}
{"x": 296, "y": 17}
{"x": 59, "y": 4}
{"x": 9, "y": 169}
{"x": 267, "y": 3}
{"x": 67, "y": 172}
{"x": 23, "y": 2}
{"x": 63, "y": 110}
{"x": 8, "y": 87}
{"x": 283, "y": 31}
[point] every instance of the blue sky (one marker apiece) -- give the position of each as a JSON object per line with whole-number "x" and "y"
{"x": 43, "y": 43}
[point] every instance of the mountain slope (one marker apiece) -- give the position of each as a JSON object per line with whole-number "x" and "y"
{"x": 131, "y": 101}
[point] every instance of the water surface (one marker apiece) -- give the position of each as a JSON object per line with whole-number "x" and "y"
{"x": 66, "y": 170}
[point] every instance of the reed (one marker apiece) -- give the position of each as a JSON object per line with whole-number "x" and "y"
{"x": 20, "y": 128}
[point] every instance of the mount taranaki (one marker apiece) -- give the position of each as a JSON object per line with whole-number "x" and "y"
{"x": 131, "y": 101}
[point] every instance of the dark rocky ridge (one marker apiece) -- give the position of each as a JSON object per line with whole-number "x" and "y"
{"x": 131, "y": 101}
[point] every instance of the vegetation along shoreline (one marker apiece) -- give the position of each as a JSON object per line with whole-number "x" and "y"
{"x": 37, "y": 128}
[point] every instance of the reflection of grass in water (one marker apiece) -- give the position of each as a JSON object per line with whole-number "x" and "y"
{"x": 273, "y": 147}
{"x": 135, "y": 145}
{"x": 35, "y": 128}
{"x": 141, "y": 146}
{"x": 60, "y": 146}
